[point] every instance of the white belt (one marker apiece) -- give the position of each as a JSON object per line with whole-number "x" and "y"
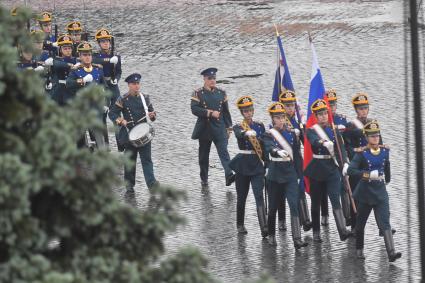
{"x": 62, "y": 82}
{"x": 280, "y": 159}
{"x": 107, "y": 78}
{"x": 319, "y": 156}
{"x": 244, "y": 151}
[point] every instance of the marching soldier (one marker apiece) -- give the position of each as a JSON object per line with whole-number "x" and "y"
{"x": 74, "y": 29}
{"x": 284, "y": 171}
{"x": 45, "y": 22}
{"x": 128, "y": 111}
{"x": 111, "y": 67}
{"x": 340, "y": 122}
{"x": 214, "y": 124}
{"x": 61, "y": 67}
{"x": 86, "y": 74}
{"x": 323, "y": 170}
{"x": 288, "y": 99}
{"x": 248, "y": 164}
{"x": 34, "y": 59}
{"x": 371, "y": 165}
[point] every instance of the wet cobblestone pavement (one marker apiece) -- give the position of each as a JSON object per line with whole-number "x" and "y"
{"x": 360, "y": 45}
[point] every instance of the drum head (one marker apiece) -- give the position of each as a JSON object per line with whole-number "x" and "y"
{"x": 138, "y": 131}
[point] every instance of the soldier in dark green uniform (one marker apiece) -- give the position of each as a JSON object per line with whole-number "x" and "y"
{"x": 323, "y": 170}
{"x": 214, "y": 124}
{"x": 249, "y": 164}
{"x": 284, "y": 171}
{"x": 372, "y": 166}
{"x": 127, "y": 112}
{"x": 289, "y": 99}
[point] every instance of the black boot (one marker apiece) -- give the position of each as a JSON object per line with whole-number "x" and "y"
{"x": 230, "y": 179}
{"x": 304, "y": 214}
{"x": 316, "y": 237}
{"x": 240, "y": 219}
{"x": 296, "y": 233}
{"x": 271, "y": 239}
{"x": 346, "y": 208}
{"x": 281, "y": 213}
{"x": 325, "y": 220}
{"x": 389, "y": 245}
{"x": 360, "y": 254}
{"x": 262, "y": 220}
{"x": 382, "y": 234}
{"x": 340, "y": 224}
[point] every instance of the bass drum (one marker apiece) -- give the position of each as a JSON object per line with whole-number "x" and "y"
{"x": 141, "y": 134}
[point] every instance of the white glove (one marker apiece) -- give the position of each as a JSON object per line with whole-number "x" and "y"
{"x": 341, "y": 127}
{"x": 330, "y": 146}
{"x": 49, "y": 86}
{"x": 297, "y": 132}
{"x": 105, "y": 109}
{"x": 114, "y": 81}
{"x": 77, "y": 65}
{"x": 88, "y": 78}
{"x": 39, "y": 69}
{"x": 55, "y": 44}
{"x": 48, "y": 61}
{"x": 251, "y": 133}
{"x": 282, "y": 153}
{"x": 113, "y": 60}
{"x": 345, "y": 169}
{"x": 374, "y": 175}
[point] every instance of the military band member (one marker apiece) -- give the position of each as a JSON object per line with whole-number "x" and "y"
{"x": 45, "y": 22}
{"x": 127, "y": 112}
{"x": 289, "y": 100}
{"x": 75, "y": 29}
{"x": 372, "y": 166}
{"x": 283, "y": 147}
{"x": 248, "y": 164}
{"x": 87, "y": 74}
{"x": 214, "y": 124}
{"x": 111, "y": 68}
{"x": 323, "y": 170}
{"x": 61, "y": 67}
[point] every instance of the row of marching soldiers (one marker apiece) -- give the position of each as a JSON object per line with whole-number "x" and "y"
{"x": 279, "y": 147}
{"x": 67, "y": 63}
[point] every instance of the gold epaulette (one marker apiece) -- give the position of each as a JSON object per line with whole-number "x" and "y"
{"x": 119, "y": 103}
{"x": 195, "y": 95}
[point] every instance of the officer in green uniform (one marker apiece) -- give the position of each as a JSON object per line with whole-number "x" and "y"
{"x": 323, "y": 170}
{"x": 288, "y": 98}
{"x": 214, "y": 124}
{"x": 127, "y": 112}
{"x": 249, "y": 164}
{"x": 372, "y": 166}
{"x": 283, "y": 147}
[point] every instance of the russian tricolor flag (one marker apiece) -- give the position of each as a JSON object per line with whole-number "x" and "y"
{"x": 317, "y": 91}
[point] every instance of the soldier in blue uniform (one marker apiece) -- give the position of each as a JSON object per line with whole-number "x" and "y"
{"x": 372, "y": 166}
{"x": 323, "y": 170}
{"x": 75, "y": 29}
{"x": 214, "y": 124}
{"x": 340, "y": 122}
{"x": 249, "y": 164}
{"x": 111, "y": 67}
{"x": 127, "y": 112}
{"x": 288, "y": 99}
{"x": 86, "y": 74}
{"x": 283, "y": 147}
{"x": 61, "y": 67}
{"x": 45, "y": 22}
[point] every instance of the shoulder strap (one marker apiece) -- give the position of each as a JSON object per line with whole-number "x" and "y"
{"x": 359, "y": 125}
{"x": 148, "y": 119}
{"x": 253, "y": 140}
{"x": 282, "y": 142}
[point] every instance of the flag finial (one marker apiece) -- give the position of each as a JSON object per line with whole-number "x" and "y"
{"x": 277, "y": 31}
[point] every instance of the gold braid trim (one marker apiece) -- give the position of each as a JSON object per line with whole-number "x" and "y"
{"x": 253, "y": 140}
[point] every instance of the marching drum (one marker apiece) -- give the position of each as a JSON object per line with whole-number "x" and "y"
{"x": 141, "y": 134}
